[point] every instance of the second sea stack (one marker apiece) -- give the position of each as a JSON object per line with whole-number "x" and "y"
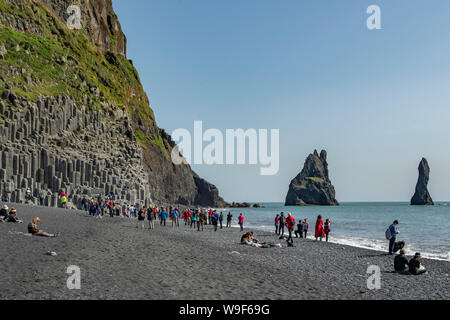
{"x": 422, "y": 196}
{"x": 312, "y": 186}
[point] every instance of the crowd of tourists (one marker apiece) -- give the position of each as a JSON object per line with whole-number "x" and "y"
{"x": 282, "y": 223}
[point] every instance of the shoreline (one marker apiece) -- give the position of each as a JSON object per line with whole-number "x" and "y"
{"x": 118, "y": 261}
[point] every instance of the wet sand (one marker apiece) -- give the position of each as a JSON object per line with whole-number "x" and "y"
{"x": 118, "y": 261}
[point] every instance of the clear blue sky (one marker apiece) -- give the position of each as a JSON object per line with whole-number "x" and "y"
{"x": 377, "y": 101}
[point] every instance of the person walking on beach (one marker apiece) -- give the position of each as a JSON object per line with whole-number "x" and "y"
{"x": 151, "y": 219}
{"x": 306, "y": 227}
{"x": 277, "y": 223}
{"x": 391, "y": 235}
{"x": 290, "y": 223}
{"x": 229, "y": 219}
{"x": 320, "y": 232}
{"x": 221, "y": 220}
{"x": 327, "y": 228}
{"x": 241, "y": 221}
{"x": 282, "y": 224}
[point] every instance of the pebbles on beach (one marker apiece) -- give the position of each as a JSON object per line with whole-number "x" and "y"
{"x": 117, "y": 261}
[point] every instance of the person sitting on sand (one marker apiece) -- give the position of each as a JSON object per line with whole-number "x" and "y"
{"x": 248, "y": 237}
{"x": 13, "y": 217}
{"x": 401, "y": 264}
{"x": 35, "y": 231}
{"x": 4, "y": 213}
{"x": 415, "y": 266}
{"x": 250, "y": 240}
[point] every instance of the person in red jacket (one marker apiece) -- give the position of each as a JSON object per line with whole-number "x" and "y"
{"x": 290, "y": 223}
{"x": 320, "y": 232}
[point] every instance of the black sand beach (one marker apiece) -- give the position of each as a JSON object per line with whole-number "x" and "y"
{"x": 118, "y": 261}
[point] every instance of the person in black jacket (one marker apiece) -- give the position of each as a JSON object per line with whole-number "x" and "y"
{"x": 415, "y": 267}
{"x": 299, "y": 231}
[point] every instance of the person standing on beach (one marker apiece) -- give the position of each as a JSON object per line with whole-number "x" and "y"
{"x": 221, "y": 220}
{"x": 277, "y": 223}
{"x": 175, "y": 218}
{"x": 210, "y": 213}
{"x": 215, "y": 220}
{"x": 290, "y": 223}
{"x": 320, "y": 232}
{"x": 241, "y": 221}
{"x": 201, "y": 220}
{"x": 194, "y": 218}
{"x": 393, "y": 232}
{"x": 305, "y": 227}
{"x": 229, "y": 219}
{"x": 163, "y": 217}
{"x": 141, "y": 219}
{"x": 282, "y": 224}
{"x": 327, "y": 228}
{"x": 150, "y": 218}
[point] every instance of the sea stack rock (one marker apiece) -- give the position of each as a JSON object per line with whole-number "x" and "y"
{"x": 422, "y": 196}
{"x": 312, "y": 186}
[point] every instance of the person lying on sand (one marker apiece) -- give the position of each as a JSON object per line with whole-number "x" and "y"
{"x": 35, "y": 231}
{"x": 13, "y": 217}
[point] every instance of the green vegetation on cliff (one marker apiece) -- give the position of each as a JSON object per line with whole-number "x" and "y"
{"x": 53, "y": 60}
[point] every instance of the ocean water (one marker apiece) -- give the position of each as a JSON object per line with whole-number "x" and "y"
{"x": 424, "y": 229}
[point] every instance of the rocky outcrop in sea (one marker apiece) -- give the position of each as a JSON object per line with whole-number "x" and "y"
{"x": 312, "y": 186}
{"x": 422, "y": 197}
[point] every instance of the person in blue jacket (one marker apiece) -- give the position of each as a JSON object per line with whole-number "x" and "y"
{"x": 215, "y": 220}
{"x": 393, "y": 228}
{"x": 163, "y": 217}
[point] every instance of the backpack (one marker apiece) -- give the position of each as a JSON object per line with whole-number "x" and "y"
{"x": 388, "y": 234}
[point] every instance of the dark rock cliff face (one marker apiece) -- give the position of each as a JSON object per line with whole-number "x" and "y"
{"x": 422, "y": 196}
{"x": 74, "y": 115}
{"x": 312, "y": 186}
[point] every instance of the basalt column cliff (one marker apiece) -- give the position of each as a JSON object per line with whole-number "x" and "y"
{"x": 74, "y": 115}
